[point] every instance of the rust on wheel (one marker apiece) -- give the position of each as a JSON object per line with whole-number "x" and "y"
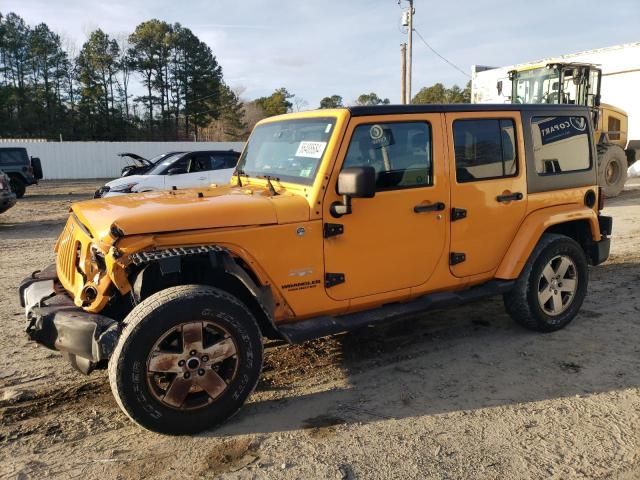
{"x": 192, "y": 364}
{"x": 612, "y": 173}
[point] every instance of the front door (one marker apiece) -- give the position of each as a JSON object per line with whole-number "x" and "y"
{"x": 195, "y": 174}
{"x": 488, "y": 188}
{"x": 394, "y": 240}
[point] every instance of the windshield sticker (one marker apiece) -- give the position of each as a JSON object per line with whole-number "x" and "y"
{"x": 328, "y": 129}
{"x": 311, "y": 149}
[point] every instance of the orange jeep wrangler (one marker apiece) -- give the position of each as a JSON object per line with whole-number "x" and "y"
{"x": 334, "y": 219}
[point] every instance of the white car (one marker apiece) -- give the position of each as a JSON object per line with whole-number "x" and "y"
{"x": 182, "y": 170}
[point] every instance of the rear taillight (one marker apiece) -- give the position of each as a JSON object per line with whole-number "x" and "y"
{"x": 600, "y": 199}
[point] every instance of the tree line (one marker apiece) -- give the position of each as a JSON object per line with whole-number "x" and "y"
{"x": 47, "y": 90}
{"x": 160, "y": 82}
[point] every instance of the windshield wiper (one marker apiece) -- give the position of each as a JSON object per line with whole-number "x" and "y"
{"x": 268, "y": 178}
{"x": 240, "y": 172}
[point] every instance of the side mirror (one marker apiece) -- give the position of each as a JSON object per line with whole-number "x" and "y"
{"x": 354, "y": 182}
{"x": 596, "y": 100}
{"x": 176, "y": 171}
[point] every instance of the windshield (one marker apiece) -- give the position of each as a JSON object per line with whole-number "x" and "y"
{"x": 290, "y": 150}
{"x": 157, "y": 158}
{"x": 541, "y": 85}
{"x": 161, "y": 167}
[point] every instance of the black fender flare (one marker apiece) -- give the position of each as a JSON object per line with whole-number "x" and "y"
{"x": 172, "y": 260}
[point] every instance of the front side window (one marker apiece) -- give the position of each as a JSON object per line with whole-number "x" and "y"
{"x": 399, "y": 152}
{"x": 560, "y": 144}
{"x": 289, "y": 150}
{"x": 484, "y": 149}
{"x": 200, "y": 163}
{"x": 163, "y": 166}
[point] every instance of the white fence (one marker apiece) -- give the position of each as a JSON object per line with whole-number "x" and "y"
{"x": 78, "y": 160}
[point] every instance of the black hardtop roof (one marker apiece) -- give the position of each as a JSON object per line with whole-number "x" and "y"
{"x": 462, "y": 107}
{"x": 231, "y": 150}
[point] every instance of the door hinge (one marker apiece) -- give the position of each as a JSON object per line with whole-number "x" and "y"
{"x": 333, "y": 279}
{"x": 333, "y": 229}
{"x": 456, "y": 258}
{"x": 458, "y": 214}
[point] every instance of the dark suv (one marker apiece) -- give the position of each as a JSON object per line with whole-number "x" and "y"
{"x": 21, "y": 169}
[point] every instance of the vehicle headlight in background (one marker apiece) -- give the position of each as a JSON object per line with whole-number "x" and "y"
{"x": 126, "y": 188}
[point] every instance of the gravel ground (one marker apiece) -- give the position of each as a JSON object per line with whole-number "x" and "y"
{"x": 462, "y": 393}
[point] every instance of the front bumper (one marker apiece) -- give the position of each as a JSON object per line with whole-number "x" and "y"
{"x": 52, "y": 320}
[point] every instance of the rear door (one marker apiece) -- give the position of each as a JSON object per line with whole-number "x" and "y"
{"x": 488, "y": 188}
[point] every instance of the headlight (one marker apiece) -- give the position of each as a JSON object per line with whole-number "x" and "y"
{"x": 126, "y": 188}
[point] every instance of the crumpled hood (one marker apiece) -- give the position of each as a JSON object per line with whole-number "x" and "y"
{"x": 126, "y": 180}
{"x": 157, "y": 212}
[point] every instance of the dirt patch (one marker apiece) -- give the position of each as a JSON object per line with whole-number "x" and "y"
{"x": 231, "y": 456}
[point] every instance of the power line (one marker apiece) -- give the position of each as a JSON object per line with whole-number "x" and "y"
{"x": 443, "y": 58}
{"x": 202, "y": 98}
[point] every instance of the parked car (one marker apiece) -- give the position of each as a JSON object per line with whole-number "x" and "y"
{"x": 22, "y": 170}
{"x": 7, "y": 197}
{"x": 335, "y": 220}
{"x": 180, "y": 170}
{"x": 141, "y": 165}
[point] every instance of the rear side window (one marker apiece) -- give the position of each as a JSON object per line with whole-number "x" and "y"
{"x": 560, "y": 144}
{"x": 484, "y": 149}
{"x": 219, "y": 162}
{"x": 13, "y": 156}
{"x": 399, "y": 152}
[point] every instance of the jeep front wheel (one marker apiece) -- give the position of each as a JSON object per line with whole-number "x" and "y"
{"x": 187, "y": 359}
{"x": 552, "y": 285}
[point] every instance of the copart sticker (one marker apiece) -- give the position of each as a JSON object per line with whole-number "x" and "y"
{"x": 311, "y": 149}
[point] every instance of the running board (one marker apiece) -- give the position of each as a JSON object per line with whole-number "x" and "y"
{"x": 317, "y": 327}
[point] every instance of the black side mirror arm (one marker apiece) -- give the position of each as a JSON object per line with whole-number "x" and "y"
{"x": 339, "y": 209}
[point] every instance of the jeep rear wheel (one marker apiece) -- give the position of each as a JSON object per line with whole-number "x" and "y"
{"x": 17, "y": 186}
{"x": 187, "y": 359}
{"x": 552, "y": 285}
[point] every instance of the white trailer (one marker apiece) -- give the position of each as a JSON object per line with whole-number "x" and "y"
{"x": 620, "y": 86}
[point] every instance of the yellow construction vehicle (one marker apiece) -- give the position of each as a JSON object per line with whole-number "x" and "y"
{"x": 579, "y": 84}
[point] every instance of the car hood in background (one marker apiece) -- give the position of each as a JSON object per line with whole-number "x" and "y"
{"x": 170, "y": 211}
{"x": 127, "y": 180}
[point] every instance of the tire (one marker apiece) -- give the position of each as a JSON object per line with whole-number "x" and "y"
{"x": 612, "y": 170}
{"x": 17, "y": 186}
{"x": 163, "y": 386}
{"x": 526, "y": 303}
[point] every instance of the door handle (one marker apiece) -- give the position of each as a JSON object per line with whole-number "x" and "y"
{"x": 202, "y": 178}
{"x": 429, "y": 207}
{"x": 509, "y": 197}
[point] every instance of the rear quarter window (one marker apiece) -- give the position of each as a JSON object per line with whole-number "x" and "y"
{"x": 13, "y": 156}
{"x": 560, "y": 144}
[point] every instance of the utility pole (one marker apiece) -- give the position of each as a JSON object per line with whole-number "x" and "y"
{"x": 409, "y": 52}
{"x": 403, "y": 73}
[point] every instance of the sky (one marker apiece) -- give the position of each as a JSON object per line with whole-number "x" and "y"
{"x": 347, "y": 47}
